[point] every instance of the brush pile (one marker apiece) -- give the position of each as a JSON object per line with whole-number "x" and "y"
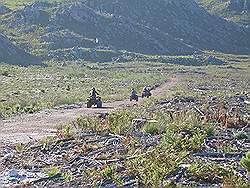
{"x": 202, "y": 145}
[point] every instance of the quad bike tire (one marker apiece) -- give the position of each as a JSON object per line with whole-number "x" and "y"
{"x": 99, "y": 104}
{"x": 89, "y": 104}
{"x": 146, "y": 95}
{"x": 136, "y": 98}
{"x": 149, "y": 95}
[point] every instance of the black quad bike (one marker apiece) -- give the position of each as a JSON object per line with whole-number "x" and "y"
{"x": 134, "y": 97}
{"x": 94, "y": 102}
{"x": 146, "y": 93}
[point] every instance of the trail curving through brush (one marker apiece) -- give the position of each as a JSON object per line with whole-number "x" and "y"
{"x": 28, "y": 127}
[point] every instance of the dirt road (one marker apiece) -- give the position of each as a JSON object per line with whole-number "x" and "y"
{"x": 29, "y": 127}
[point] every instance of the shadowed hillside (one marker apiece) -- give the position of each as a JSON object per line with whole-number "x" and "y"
{"x": 9, "y": 53}
{"x": 96, "y": 29}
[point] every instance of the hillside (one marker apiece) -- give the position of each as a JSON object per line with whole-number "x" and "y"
{"x": 99, "y": 30}
{"x": 11, "y": 54}
{"x": 234, "y": 10}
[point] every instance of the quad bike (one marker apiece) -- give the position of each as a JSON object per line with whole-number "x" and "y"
{"x": 134, "y": 97}
{"x": 94, "y": 102}
{"x": 146, "y": 93}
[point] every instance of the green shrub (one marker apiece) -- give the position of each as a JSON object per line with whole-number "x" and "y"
{"x": 245, "y": 161}
{"x": 241, "y": 135}
{"x": 52, "y": 171}
{"x": 151, "y": 128}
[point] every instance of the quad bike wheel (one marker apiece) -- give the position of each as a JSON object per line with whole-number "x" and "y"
{"x": 146, "y": 94}
{"x": 99, "y": 104}
{"x": 134, "y": 98}
{"x": 89, "y": 104}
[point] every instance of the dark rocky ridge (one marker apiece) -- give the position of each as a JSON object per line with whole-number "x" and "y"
{"x": 162, "y": 27}
{"x": 121, "y": 30}
{"x": 11, "y": 54}
{"x": 239, "y": 5}
{"x": 180, "y": 19}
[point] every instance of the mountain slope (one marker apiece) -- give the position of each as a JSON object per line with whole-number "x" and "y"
{"x": 182, "y": 19}
{"x": 68, "y": 30}
{"x": 13, "y": 55}
{"x": 234, "y": 10}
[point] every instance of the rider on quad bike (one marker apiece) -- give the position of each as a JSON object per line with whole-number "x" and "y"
{"x": 133, "y": 95}
{"x": 94, "y": 99}
{"x": 146, "y": 92}
{"x": 93, "y": 94}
